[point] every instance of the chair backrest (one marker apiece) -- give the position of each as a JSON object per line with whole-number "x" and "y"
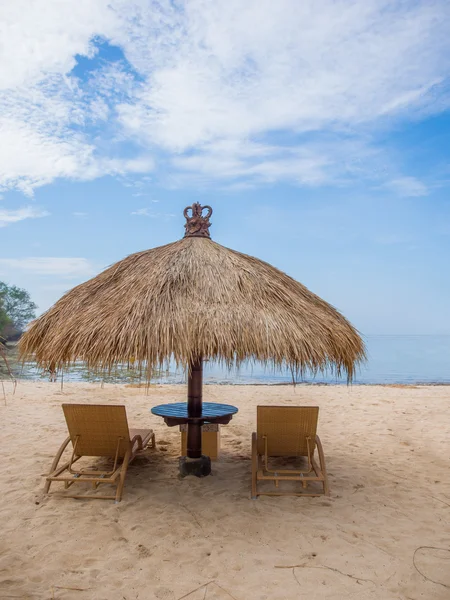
{"x": 99, "y": 427}
{"x": 287, "y": 428}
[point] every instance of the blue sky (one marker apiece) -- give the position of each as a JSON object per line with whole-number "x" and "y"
{"x": 318, "y": 131}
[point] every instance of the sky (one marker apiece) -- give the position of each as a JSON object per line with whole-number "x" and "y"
{"x": 319, "y": 132}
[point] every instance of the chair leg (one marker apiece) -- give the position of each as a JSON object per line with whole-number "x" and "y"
{"x": 323, "y": 468}
{"x": 153, "y": 441}
{"x": 55, "y": 463}
{"x": 254, "y": 467}
{"x": 123, "y": 473}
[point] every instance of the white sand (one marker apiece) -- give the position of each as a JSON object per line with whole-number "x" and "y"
{"x": 387, "y": 451}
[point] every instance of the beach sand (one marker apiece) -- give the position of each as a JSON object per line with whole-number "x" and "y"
{"x": 387, "y": 451}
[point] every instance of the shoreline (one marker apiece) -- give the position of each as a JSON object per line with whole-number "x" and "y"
{"x": 418, "y": 384}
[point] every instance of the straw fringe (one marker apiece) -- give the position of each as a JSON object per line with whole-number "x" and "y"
{"x": 189, "y": 298}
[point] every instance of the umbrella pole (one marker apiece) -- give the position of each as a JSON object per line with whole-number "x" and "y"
{"x": 194, "y": 435}
{"x": 195, "y": 463}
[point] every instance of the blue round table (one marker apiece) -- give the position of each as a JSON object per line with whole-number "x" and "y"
{"x": 177, "y": 413}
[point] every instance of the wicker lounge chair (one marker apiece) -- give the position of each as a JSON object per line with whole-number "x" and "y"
{"x": 102, "y": 431}
{"x": 285, "y": 431}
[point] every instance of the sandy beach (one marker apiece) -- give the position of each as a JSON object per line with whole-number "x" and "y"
{"x": 383, "y": 534}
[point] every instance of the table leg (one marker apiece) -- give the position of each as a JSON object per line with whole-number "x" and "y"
{"x": 194, "y": 440}
{"x": 195, "y": 463}
{"x": 194, "y": 435}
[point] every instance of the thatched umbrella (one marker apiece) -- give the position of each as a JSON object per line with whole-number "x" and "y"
{"x": 189, "y": 301}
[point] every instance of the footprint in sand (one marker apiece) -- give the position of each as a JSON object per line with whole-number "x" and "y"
{"x": 143, "y": 551}
{"x": 163, "y": 593}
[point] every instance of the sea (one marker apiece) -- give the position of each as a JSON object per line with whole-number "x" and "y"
{"x": 391, "y": 359}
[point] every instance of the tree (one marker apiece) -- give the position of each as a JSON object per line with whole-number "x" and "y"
{"x": 16, "y": 306}
{"x": 4, "y": 321}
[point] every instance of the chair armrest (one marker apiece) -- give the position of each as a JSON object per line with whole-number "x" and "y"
{"x": 138, "y": 439}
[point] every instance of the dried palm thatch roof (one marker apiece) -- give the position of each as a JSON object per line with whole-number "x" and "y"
{"x": 193, "y": 298}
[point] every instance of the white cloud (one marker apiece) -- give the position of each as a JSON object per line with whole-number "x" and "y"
{"x": 227, "y": 90}
{"x": 214, "y": 76}
{"x": 247, "y": 163}
{"x": 407, "y": 186}
{"x": 234, "y": 159}
{"x": 48, "y": 116}
{"x": 64, "y": 267}
{"x": 47, "y": 35}
{"x": 27, "y": 212}
{"x": 31, "y": 158}
{"x": 80, "y": 215}
{"x": 142, "y": 212}
{"x": 147, "y": 212}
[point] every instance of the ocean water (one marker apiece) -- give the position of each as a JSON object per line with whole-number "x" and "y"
{"x": 402, "y": 359}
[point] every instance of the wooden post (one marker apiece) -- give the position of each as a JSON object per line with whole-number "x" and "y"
{"x": 194, "y": 434}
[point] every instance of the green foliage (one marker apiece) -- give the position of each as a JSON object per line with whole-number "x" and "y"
{"x": 16, "y": 307}
{"x": 4, "y": 321}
